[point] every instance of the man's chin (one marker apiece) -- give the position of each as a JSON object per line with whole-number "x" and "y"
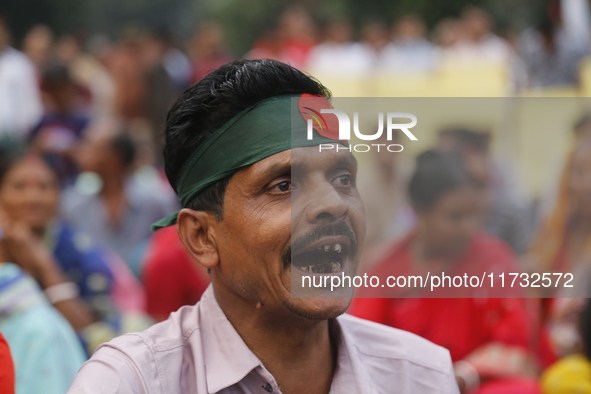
{"x": 318, "y": 308}
{"x": 315, "y": 303}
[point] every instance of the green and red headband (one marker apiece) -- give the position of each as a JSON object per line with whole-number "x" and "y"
{"x": 269, "y": 127}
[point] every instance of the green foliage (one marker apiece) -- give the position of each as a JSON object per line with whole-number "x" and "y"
{"x": 97, "y": 16}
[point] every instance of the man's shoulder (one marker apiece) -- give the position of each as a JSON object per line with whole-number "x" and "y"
{"x": 376, "y": 340}
{"x": 158, "y": 358}
{"x": 169, "y": 339}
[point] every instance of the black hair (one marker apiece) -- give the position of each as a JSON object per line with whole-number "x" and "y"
{"x": 436, "y": 173}
{"x": 12, "y": 151}
{"x": 124, "y": 147}
{"x": 209, "y": 104}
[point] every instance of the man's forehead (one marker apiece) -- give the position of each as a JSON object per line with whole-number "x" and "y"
{"x": 305, "y": 159}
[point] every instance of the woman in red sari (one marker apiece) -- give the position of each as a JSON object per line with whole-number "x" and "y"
{"x": 489, "y": 338}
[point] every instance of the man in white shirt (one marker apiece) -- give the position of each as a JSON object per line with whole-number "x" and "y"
{"x": 20, "y": 99}
{"x": 262, "y": 207}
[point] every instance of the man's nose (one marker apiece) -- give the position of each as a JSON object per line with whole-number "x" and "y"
{"x": 325, "y": 204}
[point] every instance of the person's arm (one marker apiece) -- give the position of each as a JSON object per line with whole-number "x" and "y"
{"x": 455, "y": 385}
{"x": 19, "y": 246}
{"x": 466, "y": 376}
{"x": 65, "y": 300}
{"x": 496, "y": 361}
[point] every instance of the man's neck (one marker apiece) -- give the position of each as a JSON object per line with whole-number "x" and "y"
{"x": 298, "y": 352}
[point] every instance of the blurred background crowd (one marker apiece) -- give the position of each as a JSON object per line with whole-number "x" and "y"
{"x": 84, "y": 92}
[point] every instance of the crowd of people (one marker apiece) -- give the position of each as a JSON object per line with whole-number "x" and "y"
{"x": 81, "y": 181}
{"x": 543, "y": 55}
{"x": 458, "y": 214}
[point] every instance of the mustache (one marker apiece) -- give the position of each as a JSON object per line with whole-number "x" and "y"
{"x": 339, "y": 227}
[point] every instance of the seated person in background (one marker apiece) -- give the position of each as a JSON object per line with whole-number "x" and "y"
{"x": 572, "y": 374}
{"x": 29, "y": 201}
{"x": 114, "y": 209}
{"x": 229, "y": 155}
{"x": 488, "y": 338}
{"x": 6, "y": 368}
{"x": 503, "y": 206}
{"x": 44, "y": 347}
{"x": 171, "y": 276}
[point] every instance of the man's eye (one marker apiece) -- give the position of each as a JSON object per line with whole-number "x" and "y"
{"x": 283, "y": 187}
{"x": 344, "y": 180}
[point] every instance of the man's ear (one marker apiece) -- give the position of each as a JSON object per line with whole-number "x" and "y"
{"x": 196, "y": 230}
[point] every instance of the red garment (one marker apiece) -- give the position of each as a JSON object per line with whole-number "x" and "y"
{"x": 459, "y": 324}
{"x": 6, "y": 368}
{"x": 510, "y": 386}
{"x": 171, "y": 275}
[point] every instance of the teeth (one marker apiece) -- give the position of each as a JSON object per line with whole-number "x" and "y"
{"x": 335, "y": 267}
{"x": 332, "y": 248}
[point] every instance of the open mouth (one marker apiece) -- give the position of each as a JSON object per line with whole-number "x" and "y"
{"x": 323, "y": 257}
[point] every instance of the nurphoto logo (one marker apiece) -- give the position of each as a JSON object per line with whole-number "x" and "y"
{"x": 336, "y": 124}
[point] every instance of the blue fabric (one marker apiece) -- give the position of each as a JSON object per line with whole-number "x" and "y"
{"x": 80, "y": 259}
{"x": 46, "y": 351}
{"x": 84, "y": 263}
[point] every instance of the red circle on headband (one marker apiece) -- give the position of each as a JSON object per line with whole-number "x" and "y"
{"x": 310, "y": 107}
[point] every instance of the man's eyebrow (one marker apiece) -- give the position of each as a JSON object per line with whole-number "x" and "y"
{"x": 297, "y": 166}
{"x": 275, "y": 170}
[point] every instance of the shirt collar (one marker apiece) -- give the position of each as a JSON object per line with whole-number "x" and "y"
{"x": 229, "y": 360}
{"x": 349, "y": 374}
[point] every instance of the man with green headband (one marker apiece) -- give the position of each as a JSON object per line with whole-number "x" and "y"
{"x": 262, "y": 205}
